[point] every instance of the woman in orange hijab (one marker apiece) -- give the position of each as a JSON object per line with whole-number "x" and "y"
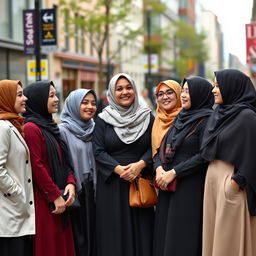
{"x": 168, "y": 107}
{"x": 17, "y": 199}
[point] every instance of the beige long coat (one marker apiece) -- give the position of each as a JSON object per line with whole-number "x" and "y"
{"x": 16, "y": 189}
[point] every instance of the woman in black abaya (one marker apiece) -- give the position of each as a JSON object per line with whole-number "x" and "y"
{"x": 122, "y": 149}
{"x": 178, "y": 221}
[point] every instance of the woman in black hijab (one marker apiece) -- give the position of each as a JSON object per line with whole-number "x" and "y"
{"x": 51, "y": 173}
{"x": 229, "y": 141}
{"x": 179, "y": 214}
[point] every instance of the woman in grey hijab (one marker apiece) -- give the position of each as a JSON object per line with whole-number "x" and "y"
{"x": 76, "y": 129}
{"x": 122, "y": 150}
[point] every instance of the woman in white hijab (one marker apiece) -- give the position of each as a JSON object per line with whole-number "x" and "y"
{"x": 122, "y": 150}
{"x": 76, "y": 130}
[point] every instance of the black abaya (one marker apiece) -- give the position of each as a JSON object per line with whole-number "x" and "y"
{"x": 120, "y": 229}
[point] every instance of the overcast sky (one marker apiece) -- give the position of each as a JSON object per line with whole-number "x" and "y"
{"x": 232, "y": 15}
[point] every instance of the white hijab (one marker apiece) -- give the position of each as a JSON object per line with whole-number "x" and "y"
{"x": 129, "y": 123}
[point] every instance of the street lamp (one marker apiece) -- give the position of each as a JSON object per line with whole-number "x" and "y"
{"x": 148, "y": 23}
{"x": 38, "y": 41}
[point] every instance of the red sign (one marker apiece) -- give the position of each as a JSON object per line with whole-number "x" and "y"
{"x": 250, "y": 42}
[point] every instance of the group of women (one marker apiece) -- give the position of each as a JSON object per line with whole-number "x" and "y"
{"x": 65, "y": 187}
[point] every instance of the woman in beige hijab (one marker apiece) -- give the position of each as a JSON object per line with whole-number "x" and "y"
{"x": 168, "y": 106}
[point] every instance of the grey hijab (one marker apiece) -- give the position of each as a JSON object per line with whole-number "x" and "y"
{"x": 129, "y": 123}
{"x": 80, "y": 146}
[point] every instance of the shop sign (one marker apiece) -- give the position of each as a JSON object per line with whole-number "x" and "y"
{"x": 31, "y": 70}
{"x": 29, "y": 31}
{"x": 48, "y": 30}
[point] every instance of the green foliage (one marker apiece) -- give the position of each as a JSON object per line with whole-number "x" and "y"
{"x": 97, "y": 23}
{"x": 191, "y": 45}
{"x": 99, "y": 19}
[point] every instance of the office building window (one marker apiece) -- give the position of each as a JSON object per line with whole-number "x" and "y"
{"x": 91, "y": 46}
{"x": 17, "y": 19}
{"x": 4, "y": 20}
{"x": 66, "y": 30}
{"x": 183, "y": 4}
{"x": 82, "y": 41}
{"x": 76, "y": 35}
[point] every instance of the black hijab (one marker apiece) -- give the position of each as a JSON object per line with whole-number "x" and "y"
{"x": 230, "y": 134}
{"x": 37, "y": 112}
{"x": 200, "y": 91}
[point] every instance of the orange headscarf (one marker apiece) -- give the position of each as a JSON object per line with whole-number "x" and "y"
{"x": 163, "y": 119}
{"x": 8, "y": 93}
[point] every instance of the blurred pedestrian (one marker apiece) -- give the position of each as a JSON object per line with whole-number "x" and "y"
{"x": 144, "y": 99}
{"x": 168, "y": 107}
{"x": 76, "y": 129}
{"x": 17, "y": 200}
{"x": 122, "y": 150}
{"x": 229, "y": 226}
{"x": 102, "y": 102}
{"x": 53, "y": 178}
{"x": 178, "y": 224}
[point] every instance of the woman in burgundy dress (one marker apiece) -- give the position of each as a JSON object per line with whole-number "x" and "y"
{"x": 53, "y": 178}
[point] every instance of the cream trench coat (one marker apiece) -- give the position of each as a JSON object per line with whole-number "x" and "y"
{"x": 17, "y": 213}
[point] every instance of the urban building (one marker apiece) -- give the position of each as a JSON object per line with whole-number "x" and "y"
{"x": 160, "y": 41}
{"x": 127, "y": 54}
{"x": 214, "y": 43}
{"x": 12, "y": 58}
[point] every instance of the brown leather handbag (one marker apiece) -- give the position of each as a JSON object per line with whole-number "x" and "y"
{"x": 142, "y": 193}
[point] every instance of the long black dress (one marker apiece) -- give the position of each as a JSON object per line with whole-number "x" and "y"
{"x": 120, "y": 229}
{"x": 178, "y": 222}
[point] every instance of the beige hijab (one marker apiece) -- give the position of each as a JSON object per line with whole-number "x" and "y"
{"x": 164, "y": 120}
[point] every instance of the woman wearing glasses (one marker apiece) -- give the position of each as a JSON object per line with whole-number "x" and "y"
{"x": 178, "y": 222}
{"x": 168, "y": 107}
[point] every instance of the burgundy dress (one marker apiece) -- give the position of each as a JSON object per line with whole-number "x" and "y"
{"x": 50, "y": 238}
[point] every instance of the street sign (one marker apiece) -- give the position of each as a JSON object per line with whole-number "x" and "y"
{"x": 154, "y": 63}
{"x": 31, "y": 70}
{"x": 250, "y": 42}
{"x": 29, "y": 31}
{"x": 48, "y": 30}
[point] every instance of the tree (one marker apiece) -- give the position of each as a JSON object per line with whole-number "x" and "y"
{"x": 191, "y": 48}
{"x": 188, "y": 46}
{"x": 98, "y": 22}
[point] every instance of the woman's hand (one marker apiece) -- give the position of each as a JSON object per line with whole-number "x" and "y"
{"x": 159, "y": 173}
{"x": 70, "y": 191}
{"x": 59, "y": 205}
{"x": 119, "y": 169}
{"x": 235, "y": 185}
{"x": 165, "y": 179}
{"x": 131, "y": 171}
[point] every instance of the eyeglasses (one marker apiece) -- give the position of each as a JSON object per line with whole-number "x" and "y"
{"x": 161, "y": 94}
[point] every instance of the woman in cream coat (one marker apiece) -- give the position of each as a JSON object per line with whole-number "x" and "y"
{"x": 16, "y": 191}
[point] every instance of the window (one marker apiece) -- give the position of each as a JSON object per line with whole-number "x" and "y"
{"x": 66, "y": 30}
{"x": 17, "y": 19}
{"x": 76, "y": 34}
{"x": 4, "y": 20}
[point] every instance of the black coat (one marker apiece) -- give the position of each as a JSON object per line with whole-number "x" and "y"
{"x": 120, "y": 229}
{"x": 178, "y": 223}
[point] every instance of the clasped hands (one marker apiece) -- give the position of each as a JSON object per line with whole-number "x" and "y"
{"x": 131, "y": 171}
{"x": 163, "y": 178}
{"x": 60, "y": 203}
